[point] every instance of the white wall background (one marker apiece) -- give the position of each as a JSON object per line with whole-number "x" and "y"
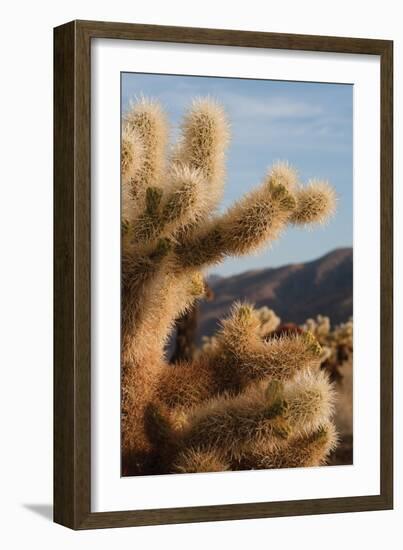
{"x": 26, "y": 271}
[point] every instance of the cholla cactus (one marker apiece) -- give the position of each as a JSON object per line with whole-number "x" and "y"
{"x": 248, "y": 402}
{"x": 336, "y": 343}
{"x": 268, "y": 322}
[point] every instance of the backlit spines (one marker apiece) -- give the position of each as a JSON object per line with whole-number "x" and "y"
{"x": 315, "y": 203}
{"x": 230, "y": 423}
{"x": 194, "y": 460}
{"x": 255, "y": 221}
{"x": 147, "y": 119}
{"x": 205, "y": 137}
{"x": 240, "y": 347}
{"x": 253, "y": 397}
{"x": 301, "y": 451}
{"x": 285, "y": 424}
{"x": 310, "y": 400}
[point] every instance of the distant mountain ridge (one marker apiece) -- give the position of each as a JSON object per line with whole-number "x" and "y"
{"x": 295, "y": 292}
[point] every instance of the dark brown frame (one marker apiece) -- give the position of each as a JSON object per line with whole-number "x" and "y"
{"x": 72, "y": 320}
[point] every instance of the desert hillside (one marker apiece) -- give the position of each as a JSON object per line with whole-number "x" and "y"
{"x": 295, "y": 292}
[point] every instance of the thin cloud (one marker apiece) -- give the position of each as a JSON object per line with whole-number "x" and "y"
{"x": 308, "y": 124}
{"x": 273, "y": 108}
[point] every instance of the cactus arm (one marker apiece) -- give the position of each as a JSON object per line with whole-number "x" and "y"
{"x": 239, "y": 358}
{"x": 204, "y": 140}
{"x": 166, "y": 214}
{"x": 138, "y": 274}
{"x": 253, "y": 222}
{"x": 147, "y": 119}
{"x": 316, "y": 203}
{"x": 240, "y": 340}
{"x": 300, "y": 451}
{"x": 231, "y": 423}
{"x": 277, "y": 425}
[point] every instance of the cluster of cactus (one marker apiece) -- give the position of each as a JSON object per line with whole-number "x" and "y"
{"x": 249, "y": 402}
{"x": 336, "y": 343}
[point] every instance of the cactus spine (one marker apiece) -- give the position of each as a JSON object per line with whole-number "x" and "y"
{"x": 246, "y": 402}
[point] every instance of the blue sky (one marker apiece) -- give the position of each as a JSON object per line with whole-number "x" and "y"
{"x": 307, "y": 124}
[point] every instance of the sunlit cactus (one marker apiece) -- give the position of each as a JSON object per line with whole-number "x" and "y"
{"x": 265, "y": 424}
{"x": 315, "y": 203}
{"x": 268, "y": 322}
{"x": 248, "y": 401}
{"x": 336, "y": 343}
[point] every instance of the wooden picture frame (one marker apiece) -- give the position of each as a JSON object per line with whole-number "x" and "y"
{"x": 72, "y": 269}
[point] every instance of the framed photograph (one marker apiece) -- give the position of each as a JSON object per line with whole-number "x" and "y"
{"x": 222, "y": 274}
